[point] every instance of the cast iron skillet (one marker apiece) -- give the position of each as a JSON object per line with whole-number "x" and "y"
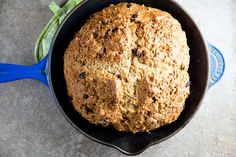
{"x": 50, "y": 72}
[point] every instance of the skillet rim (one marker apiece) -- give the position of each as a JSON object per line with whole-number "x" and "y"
{"x": 51, "y": 88}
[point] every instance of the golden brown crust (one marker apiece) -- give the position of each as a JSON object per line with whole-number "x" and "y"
{"x": 127, "y": 67}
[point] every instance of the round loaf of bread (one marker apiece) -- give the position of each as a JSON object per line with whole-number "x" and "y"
{"x": 128, "y": 67}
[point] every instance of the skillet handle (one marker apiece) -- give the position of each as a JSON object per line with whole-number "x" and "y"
{"x": 217, "y": 65}
{"x": 12, "y": 72}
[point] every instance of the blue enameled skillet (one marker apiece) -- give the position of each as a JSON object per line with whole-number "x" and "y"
{"x": 50, "y": 72}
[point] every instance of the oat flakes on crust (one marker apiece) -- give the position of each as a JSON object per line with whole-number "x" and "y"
{"x": 127, "y": 67}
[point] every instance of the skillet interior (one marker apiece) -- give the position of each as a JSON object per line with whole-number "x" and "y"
{"x": 127, "y": 142}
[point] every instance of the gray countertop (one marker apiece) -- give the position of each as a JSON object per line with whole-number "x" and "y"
{"x": 32, "y": 126}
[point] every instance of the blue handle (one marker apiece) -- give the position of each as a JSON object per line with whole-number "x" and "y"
{"x": 11, "y": 72}
{"x": 217, "y": 65}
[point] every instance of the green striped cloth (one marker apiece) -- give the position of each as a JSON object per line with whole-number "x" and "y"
{"x": 44, "y": 41}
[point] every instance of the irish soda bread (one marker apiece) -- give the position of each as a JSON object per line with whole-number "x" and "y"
{"x": 127, "y": 67}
